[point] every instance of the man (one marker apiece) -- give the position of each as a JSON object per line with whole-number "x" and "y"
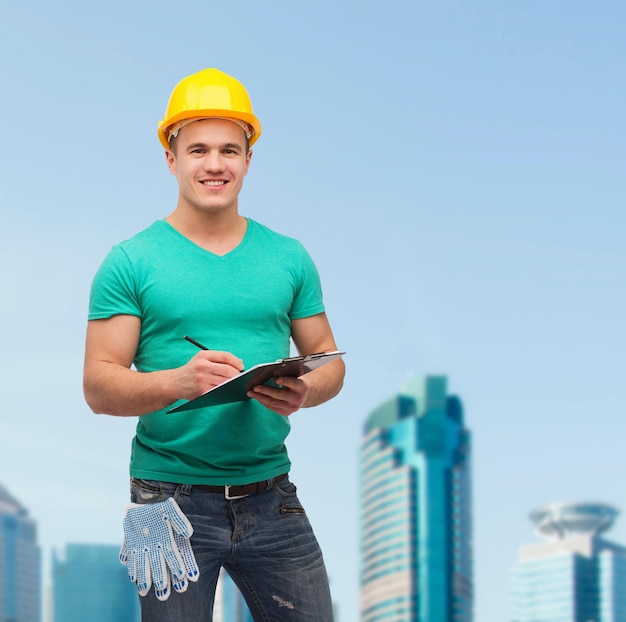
{"x": 210, "y": 487}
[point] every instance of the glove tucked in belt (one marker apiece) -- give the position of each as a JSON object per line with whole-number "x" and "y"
{"x": 156, "y": 548}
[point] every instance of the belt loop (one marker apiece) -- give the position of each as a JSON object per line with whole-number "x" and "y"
{"x": 185, "y": 489}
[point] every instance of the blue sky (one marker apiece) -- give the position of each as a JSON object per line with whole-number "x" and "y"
{"x": 455, "y": 170}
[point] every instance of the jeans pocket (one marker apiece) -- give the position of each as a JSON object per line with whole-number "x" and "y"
{"x": 286, "y": 488}
{"x": 291, "y": 507}
{"x": 290, "y": 504}
{"x": 147, "y": 491}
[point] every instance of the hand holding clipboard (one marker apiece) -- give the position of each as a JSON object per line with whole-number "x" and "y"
{"x": 235, "y": 389}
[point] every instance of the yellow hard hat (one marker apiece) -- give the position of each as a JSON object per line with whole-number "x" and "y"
{"x": 206, "y": 94}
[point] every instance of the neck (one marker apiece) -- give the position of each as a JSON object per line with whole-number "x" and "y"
{"x": 218, "y": 233}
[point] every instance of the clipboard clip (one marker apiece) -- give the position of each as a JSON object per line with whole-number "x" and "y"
{"x": 300, "y": 358}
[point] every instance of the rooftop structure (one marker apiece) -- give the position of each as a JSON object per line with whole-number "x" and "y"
{"x": 575, "y": 575}
{"x": 9, "y": 504}
{"x": 560, "y": 520}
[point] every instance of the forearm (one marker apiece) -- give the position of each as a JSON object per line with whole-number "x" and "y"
{"x": 115, "y": 390}
{"x": 324, "y": 383}
{"x": 111, "y": 387}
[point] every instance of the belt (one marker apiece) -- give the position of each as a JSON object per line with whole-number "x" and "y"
{"x": 237, "y": 492}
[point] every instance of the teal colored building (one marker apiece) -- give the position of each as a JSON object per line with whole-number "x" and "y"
{"x": 89, "y": 583}
{"x": 575, "y": 575}
{"x": 416, "y": 527}
{"x": 20, "y": 563}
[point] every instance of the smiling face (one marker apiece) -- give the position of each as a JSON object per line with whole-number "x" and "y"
{"x": 210, "y": 160}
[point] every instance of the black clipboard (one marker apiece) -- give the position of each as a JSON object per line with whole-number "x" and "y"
{"x": 235, "y": 389}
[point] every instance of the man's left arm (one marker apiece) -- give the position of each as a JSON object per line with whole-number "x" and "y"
{"x": 310, "y": 336}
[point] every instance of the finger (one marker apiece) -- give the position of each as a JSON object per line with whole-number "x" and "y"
{"x": 132, "y": 567}
{"x": 189, "y": 559}
{"x": 142, "y": 568}
{"x": 290, "y": 382}
{"x": 180, "y": 585}
{"x": 276, "y": 393}
{"x": 169, "y": 552}
{"x": 275, "y": 397}
{"x": 221, "y": 371}
{"x": 282, "y": 408}
{"x": 161, "y": 578}
{"x": 177, "y": 519}
{"x": 172, "y": 559}
{"x": 223, "y": 358}
{"x": 123, "y": 555}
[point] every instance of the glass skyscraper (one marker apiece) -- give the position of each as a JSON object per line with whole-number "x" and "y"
{"x": 416, "y": 531}
{"x": 574, "y": 576}
{"x": 89, "y": 583}
{"x": 20, "y": 563}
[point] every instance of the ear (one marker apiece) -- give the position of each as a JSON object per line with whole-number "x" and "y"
{"x": 170, "y": 158}
{"x": 248, "y": 158}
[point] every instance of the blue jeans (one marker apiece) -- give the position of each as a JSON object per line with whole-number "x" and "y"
{"x": 265, "y": 543}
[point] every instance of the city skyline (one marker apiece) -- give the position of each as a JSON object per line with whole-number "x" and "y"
{"x": 484, "y": 243}
{"x": 577, "y": 572}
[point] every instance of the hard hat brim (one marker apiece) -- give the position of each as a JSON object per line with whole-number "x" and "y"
{"x": 248, "y": 118}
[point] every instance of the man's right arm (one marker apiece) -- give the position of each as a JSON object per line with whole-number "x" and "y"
{"x": 112, "y": 387}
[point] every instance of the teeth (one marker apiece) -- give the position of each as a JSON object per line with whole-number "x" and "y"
{"x": 213, "y": 183}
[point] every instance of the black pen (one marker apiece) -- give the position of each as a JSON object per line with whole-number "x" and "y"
{"x": 195, "y": 343}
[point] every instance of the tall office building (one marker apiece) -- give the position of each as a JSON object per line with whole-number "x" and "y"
{"x": 20, "y": 563}
{"x": 416, "y": 531}
{"x": 89, "y": 583}
{"x": 574, "y": 576}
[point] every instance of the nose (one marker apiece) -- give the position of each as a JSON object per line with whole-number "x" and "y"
{"x": 213, "y": 161}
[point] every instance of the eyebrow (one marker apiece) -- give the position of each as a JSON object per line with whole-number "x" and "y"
{"x": 200, "y": 145}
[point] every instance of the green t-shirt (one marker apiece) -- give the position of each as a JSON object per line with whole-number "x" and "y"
{"x": 242, "y": 302}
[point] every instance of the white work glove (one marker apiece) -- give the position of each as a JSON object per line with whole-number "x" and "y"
{"x": 156, "y": 538}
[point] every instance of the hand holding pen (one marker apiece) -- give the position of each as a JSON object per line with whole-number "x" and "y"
{"x": 206, "y": 370}
{"x": 199, "y": 345}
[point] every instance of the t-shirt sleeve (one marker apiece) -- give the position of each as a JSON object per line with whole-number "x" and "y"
{"x": 113, "y": 289}
{"x": 308, "y": 300}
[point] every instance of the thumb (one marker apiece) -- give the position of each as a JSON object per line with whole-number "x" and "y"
{"x": 179, "y": 522}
